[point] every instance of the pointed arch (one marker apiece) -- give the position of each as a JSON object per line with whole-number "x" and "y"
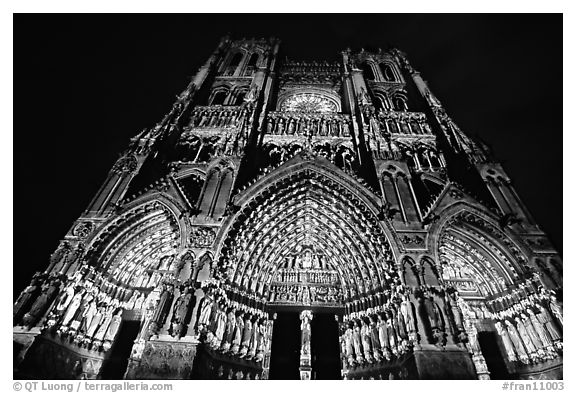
{"x": 388, "y": 73}
{"x": 368, "y": 71}
{"x": 130, "y": 248}
{"x": 475, "y": 255}
{"x": 253, "y": 62}
{"x": 429, "y": 271}
{"x": 235, "y": 59}
{"x": 410, "y": 272}
{"x": 219, "y": 95}
{"x": 306, "y": 212}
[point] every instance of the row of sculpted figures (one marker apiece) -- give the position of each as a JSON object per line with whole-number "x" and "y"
{"x": 87, "y": 308}
{"x": 167, "y": 309}
{"x": 411, "y": 123}
{"x": 203, "y": 149}
{"x": 79, "y": 309}
{"x": 302, "y": 125}
{"x": 384, "y": 333}
{"x": 418, "y": 156}
{"x": 531, "y": 329}
{"x": 216, "y": 116}
{"x": 232, "y": 328}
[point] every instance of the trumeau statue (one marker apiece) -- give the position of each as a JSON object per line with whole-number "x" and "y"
{"x": 325, "y": 188}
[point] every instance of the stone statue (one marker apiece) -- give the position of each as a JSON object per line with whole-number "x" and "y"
{"x": 41, "y": 304}
{"x": 305, "y": 316}
{"x": 357, "y": 342}
{"x": 291, "y": 127}
{"x": 433, "y": 315}
{"x": 531, "y": 347}
{"x": 401, "y": 326}
{"x": 473, "y": 343}
{"x": 140, "y": 302}
{"x": 374, "y": 337}
{"x": 546, "y": 319}
{"x": 88, "y": 315}
{"x": 348, "y": 339}
{"x": 230, "y": 327}
{"x": 162, "y": 309}
{"x": 534, "y": 337}
{"x": 366, "y": 344}
{"x": 406, "y": 309}
{"x": 252, "y": 95}
{"x": 556, "y": 309}
{"x": 541, "y": 331}
{"x": 508, "y": 345}
{"x": 364, "y": 97}
{"x": 65, "y": 298}
{"x": 180, "y": 312}
{"x": 114, "y": 326}
{"x": 57, "y": 258}
{"x": 246, "y": 335}
{"x": 79, "y": 314}
{"x": 237, "y": 341}
{"x": 95, "y": 321}
{"x": 280, "y": 127}
{"x": 73, "y": 307}
{"x": 383, "y": 335}
{"x": 262, "y": 340}
{"x": 518, "y": 344}
{"x": 26, "y": 298}
{"x": 392, "y": 338}
{"x": 101, "y": 332}
{"x": 220, "y": 327}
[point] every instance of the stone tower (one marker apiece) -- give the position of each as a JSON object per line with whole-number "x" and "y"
{"x": 305, "y": 220}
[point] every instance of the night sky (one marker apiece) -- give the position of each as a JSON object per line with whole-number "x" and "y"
{"x": 84, "y": 84}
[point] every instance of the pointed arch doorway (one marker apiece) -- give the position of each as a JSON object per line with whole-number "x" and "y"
{"x": 289, "y": 360}
{"x": 306, "y": 241}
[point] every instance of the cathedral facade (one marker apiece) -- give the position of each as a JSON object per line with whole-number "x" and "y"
{"x": 299, "y": 220}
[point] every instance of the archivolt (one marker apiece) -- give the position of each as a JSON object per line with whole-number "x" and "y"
{"x": 471, "y": 247}
{"x": 135, "y": 242}
{"x": 307, "y": 209}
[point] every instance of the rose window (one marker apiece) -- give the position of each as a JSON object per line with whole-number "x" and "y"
{"x": 308, "y": 103}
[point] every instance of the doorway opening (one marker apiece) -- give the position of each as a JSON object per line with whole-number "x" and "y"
{"x": 116, "y": 365}
{"x": 325, "y": 347}
{"x": 285, "y": 352}
{"x": 494, "y": 360}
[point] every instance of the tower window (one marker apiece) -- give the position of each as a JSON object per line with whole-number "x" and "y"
{"x": 382, "y": 101}
{"x": 368, "y": 73}
{"x": 253, "y": 60}
{"x": 400, "y": 104}
{"x": 240, "y": 98}
{"x": 387, "y": 72}
{"x": 219, "y": 97}
{"x": 236, "y": 60}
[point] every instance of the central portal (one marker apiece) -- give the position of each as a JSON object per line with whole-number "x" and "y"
{"x": 304, "y": 348}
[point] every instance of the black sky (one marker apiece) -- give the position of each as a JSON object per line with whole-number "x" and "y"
{"x": 84, "y": 84}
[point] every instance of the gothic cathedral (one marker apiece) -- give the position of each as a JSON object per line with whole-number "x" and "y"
{"x": 299, "y": 220}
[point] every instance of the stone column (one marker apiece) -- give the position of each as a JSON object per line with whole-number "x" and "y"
{"x": 305, "y": 350}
